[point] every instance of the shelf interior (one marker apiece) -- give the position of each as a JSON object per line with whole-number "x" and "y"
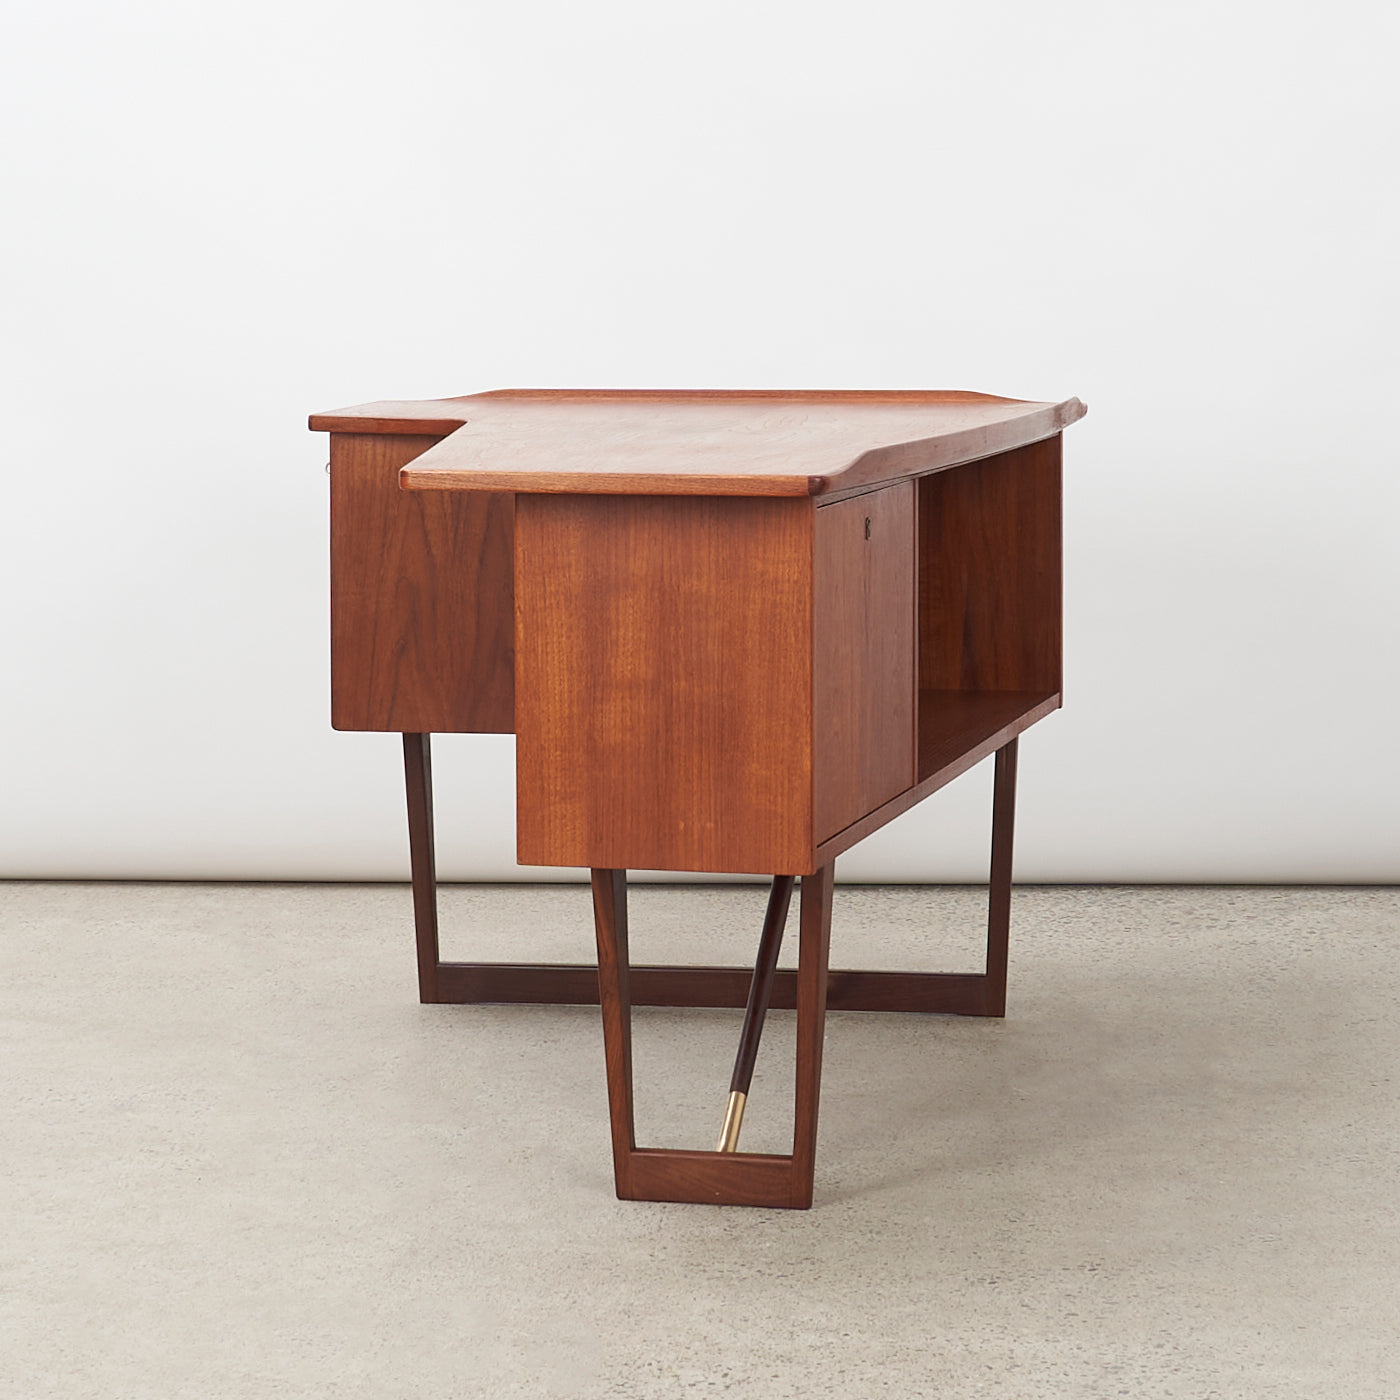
{"x": 988, "y": 603}
{"x": 953, "y": 722}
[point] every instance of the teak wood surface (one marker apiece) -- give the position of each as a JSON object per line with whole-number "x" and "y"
{"x": 422, "y": 637}
{"x": 664, "y": 683}
{"x": 705, "y": 442}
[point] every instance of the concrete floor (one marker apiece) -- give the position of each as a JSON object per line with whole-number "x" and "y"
{"x": 240, "y": 1160}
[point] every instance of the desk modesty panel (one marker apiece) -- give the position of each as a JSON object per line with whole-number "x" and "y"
{"x": 802, "y": 612}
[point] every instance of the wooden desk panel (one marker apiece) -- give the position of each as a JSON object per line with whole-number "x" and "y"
{"x": 664, "y": 682}
{"x": 422, "y": 626}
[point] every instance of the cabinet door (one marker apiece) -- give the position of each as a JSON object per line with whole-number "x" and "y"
{"x": 863, "y": 655}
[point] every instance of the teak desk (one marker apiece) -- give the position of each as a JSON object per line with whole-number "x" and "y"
{"x": 731, "y": 632}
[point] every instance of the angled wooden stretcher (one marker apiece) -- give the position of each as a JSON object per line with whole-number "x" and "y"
{"x": 732, "y": 632}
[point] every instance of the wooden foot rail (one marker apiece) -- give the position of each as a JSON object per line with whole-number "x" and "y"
{"x": 576, "y": 984}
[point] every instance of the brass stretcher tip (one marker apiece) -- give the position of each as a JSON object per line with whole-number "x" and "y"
{"x": 733, "y": 1117}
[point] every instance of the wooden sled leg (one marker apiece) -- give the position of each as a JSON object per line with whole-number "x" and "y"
{"x": 712, "y": 1178}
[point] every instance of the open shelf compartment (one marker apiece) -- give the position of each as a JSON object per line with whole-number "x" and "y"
{"x": 987, "y": 622}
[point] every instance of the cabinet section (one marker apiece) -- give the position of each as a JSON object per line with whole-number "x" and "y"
{"x": 863, "y": 659}
{"x": 422, "y": 625}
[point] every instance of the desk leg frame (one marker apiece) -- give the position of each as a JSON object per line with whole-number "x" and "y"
{"x": 721, "y": 1178}
{"x": 712, "y": 1178}
{"x": 418, "y": 783}
{"x": 576, "y": 984}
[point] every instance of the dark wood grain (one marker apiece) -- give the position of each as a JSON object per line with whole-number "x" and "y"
{"x": 421, "y": 598}
{"x": 418, "y": 784}
{"x": 664, "y": 682}
{"x": 614, "y": 996}
{"x": 990, "y": 573}
{"x": 863, "y": 655}
{"x": 770, "y": 942}
{"x": 811, "y": 1028}
{"x": 711, "y": 1178}
{"x": 576, "y": 984}
{"x": 999, "y": 893}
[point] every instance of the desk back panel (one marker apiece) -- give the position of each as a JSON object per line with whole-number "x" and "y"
{"x": 990, "y": 573}
{"x": 664, "y": 676}
{"x": 422, "y": 607}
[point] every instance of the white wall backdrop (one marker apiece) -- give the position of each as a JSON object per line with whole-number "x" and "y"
{"x": 219, "y": 218}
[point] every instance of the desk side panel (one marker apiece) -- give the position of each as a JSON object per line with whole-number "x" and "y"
{"x": 422, "y": 630}
{"x": 664, "y": 682}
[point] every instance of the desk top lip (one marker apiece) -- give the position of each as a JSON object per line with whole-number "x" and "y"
{"x": 747, "y": 442}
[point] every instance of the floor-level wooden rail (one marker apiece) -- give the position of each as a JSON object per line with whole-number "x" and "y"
{"x": 576, "y": 984}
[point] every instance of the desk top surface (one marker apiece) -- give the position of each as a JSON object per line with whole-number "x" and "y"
{"x": 699, "y": 442}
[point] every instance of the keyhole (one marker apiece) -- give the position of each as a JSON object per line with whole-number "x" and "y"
{"x": 867, "y": 527}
